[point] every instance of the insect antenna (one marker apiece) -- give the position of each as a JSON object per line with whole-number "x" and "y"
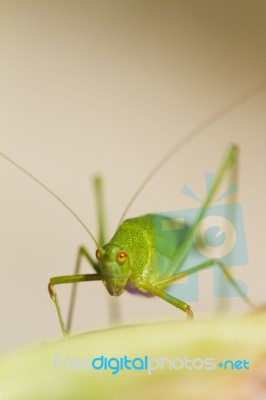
{"x": 189, "y": 136}
{"x": 51, "y": 193}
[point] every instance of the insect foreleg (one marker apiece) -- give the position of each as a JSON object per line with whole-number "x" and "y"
{"x": 167, "y": 297}
{"x": 82, "y": 253}
{"x": 67, "y": 279}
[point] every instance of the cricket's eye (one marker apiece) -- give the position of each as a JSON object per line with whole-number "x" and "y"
{"x": 121, "y": 257}
{"x": 98, "y": 254}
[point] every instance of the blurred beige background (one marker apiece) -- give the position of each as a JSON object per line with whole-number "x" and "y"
{"x": 109, "y": 87}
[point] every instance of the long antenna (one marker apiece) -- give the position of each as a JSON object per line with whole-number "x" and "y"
{"x": 53, "y": 194}
{"x": 206, "y": 123}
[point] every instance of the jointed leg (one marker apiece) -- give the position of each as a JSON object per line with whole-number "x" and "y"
{"x": 100, "y": 212}
{"x": 113, "y": 305}
{"x": 167, "y": 297}
{"x": 184, "y": 249}
{"x": 208, "y": 264}
{"x": 230, "y": 213}
{"x": 82, "y": 253}
{"x": 67, "y": 279}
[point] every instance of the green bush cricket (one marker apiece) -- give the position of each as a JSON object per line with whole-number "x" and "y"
{"x": 127, "y": 260}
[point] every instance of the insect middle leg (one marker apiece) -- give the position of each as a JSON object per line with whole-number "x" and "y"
{"x": 158, "y": 287}
{"x": 210, "y": 264}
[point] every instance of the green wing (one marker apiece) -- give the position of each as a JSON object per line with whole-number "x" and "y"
{"x": 168, "y": 234}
